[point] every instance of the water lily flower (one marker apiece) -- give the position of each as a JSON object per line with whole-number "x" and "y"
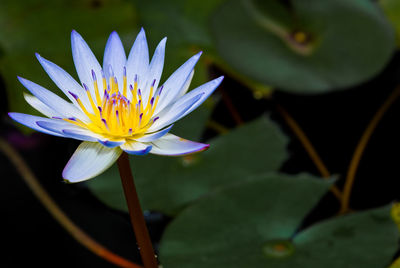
{"x": 117, "y": 108}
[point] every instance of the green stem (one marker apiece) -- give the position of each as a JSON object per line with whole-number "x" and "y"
{"x": 136, "y": 214}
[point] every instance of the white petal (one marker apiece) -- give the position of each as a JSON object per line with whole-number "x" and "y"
{"x": 155, "y": 70}
{"x": 207, "y": 88}
{"x": 136, "y": 148}
{"x": 89, "y": 160}
{"x": 30, "y": 121}
{"x": 138, "y": 60}
{"x": 185, "y": 87}
{"x": 114, "y": 56}
{"x": 68, "y": 130}
{"x": 85, "y": 62}
{"x": 110, "y": 143}
{"x": 178, "y": 81}
{"x": 52, "y": 100}
{"x": 185, "y": 104}
{"x": 40, "y": 106}
{"x": 174, "y": 145}
{"x": 63, "y": 80}
{"x": 155, "y": 135}
{"x": 175, "y": 112}
{"x": 80, "y": 134}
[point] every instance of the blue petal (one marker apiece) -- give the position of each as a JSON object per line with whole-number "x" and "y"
{"x": 55, "y": 102}
{"x": 85, "y": 61}
{"x": 175, "y": 146}
{"x": 31, "y": 120}
{"x": 67, "y": 130}
{"x": 63, "y": 80}
{"x": 174, "y": 84}
{"x": 114, "y": 56}
{"x": 79, "y": 135}
{"x": 155, "y": 69}
{"x": 136, "y": 148}
{"x": 111, "y": 144}
{"x": 155, "y": 135}
{"x": 173, "y": 113}
{"x": 185, "y": 104}
{"x": 138, "y": 60}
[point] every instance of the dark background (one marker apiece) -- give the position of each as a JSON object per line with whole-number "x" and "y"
{"x": 333, "y": 122}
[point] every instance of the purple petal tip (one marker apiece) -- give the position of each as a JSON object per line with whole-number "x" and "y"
{"x": 73, "y": 95}
{"x": 94, "y": 75}
{"x": 85, "y": 87}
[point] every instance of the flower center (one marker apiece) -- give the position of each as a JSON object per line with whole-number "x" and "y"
{"x": 118, "y": 114}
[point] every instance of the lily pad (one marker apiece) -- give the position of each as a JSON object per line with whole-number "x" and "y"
{"x": 255, "y": 224}
{"x": 306, "y": 47}
{"x": 169, "y": 184}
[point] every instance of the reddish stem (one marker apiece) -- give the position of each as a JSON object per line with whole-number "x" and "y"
{"x": 136, "y": 214}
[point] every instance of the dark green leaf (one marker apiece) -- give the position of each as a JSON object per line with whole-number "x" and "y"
{"x": 312, "y": 47}
{"x": 254, "y": 224}
{"x": 168, "y": 184}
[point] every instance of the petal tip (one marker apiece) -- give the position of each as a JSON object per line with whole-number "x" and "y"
{"x": 75, "y": 35}
{"x": 206, "y": 146}
{"x": 22, "y": 80}
{"x": 113, "y": 35}
{"x": 67, "y": 176}
{"x": 11, "y": 114}
{"x": 199, "y": 150}
{"x": 142, "y": 33}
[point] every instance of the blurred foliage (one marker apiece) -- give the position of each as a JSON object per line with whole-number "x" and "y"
{"x": 291, "y": 47}
{"x": 395, "y": 212}
{"x": 392, "y": 11}
{"x": 168, "y": 184}
{"x": 265, "y": 213}
{"x": 44, "y": 27}
{"x": 310, "y": 47}
{"x": 231, "y": 207}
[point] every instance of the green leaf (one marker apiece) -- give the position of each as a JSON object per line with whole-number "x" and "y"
{"x": 168, "y": 184}
{"x": 312, "y": 47}
{"x": 45, "y": 26}
{"x": 254, "y": 224}
{"x": 364, "y": 239}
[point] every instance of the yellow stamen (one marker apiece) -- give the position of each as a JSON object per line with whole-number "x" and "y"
{"x": 95, "y": 110}
{"x": 115, "y": 115}
{"x": 124, "y": 86}
{"x": 96, "y": 91}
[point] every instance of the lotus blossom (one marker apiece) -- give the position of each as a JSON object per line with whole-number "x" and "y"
{"x": 117, "y": 108}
